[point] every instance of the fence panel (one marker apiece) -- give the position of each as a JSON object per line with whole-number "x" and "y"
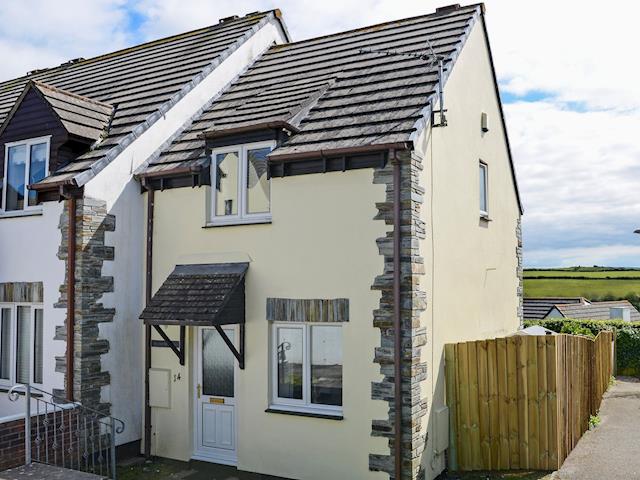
{"x": 523, "y": 402}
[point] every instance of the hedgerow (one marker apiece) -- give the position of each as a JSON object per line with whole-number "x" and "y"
{"x": 627, "y": 338}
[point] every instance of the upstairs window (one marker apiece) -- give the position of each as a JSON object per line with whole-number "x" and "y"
{"x": 25, "y": 163}
{"x": 484, "y": 190}
{"x": 242, "y": 191}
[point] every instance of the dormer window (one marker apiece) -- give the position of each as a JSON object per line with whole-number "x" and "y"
{"x": 241, "y": 191}
{"x": 25, "y": 162}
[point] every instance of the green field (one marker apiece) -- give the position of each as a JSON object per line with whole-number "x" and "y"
{"x": 590, "y": 274}
{"x": 591, "y": 289}
{"x": 593, "y": 283}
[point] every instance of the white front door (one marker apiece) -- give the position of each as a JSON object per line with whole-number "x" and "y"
{"x": 215, "y": 397}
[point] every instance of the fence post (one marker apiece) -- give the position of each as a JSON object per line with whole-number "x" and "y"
{"x": 27, "y": 426}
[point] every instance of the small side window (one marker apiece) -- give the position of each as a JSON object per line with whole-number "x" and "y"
{"x": 484, "y": 190}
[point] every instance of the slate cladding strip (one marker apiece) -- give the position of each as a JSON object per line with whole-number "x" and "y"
{"x": 207, "y": 294}
{"x": 314, "y": 310}
{"x": 27, "y": 292}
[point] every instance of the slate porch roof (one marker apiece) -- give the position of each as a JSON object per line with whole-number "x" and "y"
{"x": 208, "y": 294}
{"x": 141, "y": 82}
{"x": 334, "y": 94}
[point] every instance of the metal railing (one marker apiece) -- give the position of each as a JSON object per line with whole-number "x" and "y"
{"x": 67, "y": 434}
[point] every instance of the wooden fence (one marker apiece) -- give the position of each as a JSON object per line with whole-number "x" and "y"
{"x": 523, "y": 402}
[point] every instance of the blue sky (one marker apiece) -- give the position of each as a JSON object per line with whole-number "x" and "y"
{"x": 567, "y": 74}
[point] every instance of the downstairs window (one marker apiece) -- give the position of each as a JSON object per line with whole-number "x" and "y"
{"x": 307, "y": 367}
{"x": 21, "y": 347}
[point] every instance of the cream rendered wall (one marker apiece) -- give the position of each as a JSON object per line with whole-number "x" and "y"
{"x": 321, "y": 244}
{"x": 471, "y": 280}
{"x": 116, "y": 186}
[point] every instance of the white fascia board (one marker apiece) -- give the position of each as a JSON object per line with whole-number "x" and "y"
{"x": 108, "y": 177}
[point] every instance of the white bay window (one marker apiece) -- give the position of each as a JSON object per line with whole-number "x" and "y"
{"x": 307, "y": 367}
{"x": 241, "y": 191}
{"x": 21, "y": 343}
{"x": 25, "y": 163}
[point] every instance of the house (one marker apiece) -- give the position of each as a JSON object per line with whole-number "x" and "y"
{"x": 579, "y": 309}
{"x": 537, "y": 308}
{"x": 70, "y": 139}
{"x": 313, "y": 239}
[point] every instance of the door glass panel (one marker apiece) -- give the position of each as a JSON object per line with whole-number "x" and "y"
{"x": 227, "y": 171}
{"x": 37, "y": 168}
{"x": 217, "y": 364}
{"x": 5, "y": 343}
{"x": 289, "y": 348}
{"x": 16, "y": 168}
{"x": 258, "y": 185}
{"x": 326, "y": 365}
{"x": 23, "y": 354}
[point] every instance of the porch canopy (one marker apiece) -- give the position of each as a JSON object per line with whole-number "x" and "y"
{"x": 199, "y": 295}
{"x": 207, "y": 295}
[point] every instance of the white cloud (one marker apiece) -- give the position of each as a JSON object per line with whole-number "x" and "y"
{"x": 602, "y": 255}
{"x": 40, "y": 33}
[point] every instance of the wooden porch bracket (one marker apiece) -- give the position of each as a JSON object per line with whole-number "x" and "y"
{"x": 238, "y": 354}
{"x": 180, "y": 352}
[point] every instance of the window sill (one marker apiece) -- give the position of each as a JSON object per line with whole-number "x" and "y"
{"x": 300, "y": 412}
{"x": 237, "y": 221}
{"x": 21, "y": 213}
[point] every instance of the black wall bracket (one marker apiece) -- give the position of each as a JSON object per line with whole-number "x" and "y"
{"x": 179, "y": 350}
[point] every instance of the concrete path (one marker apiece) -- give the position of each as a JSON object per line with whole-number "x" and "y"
{"x": 39, "y": 471}
{"x": 611, "y": 450}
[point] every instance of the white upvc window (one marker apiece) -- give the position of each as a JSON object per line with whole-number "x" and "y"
{"x": 306, "y": 367}
{"x": 21, "y": 343}
{"x": 484, "y": 189}
{"x": 240, "y": 189}
{"x": 25, "y": 162}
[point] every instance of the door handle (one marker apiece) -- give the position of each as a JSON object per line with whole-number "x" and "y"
{"x": 199, "y": 390}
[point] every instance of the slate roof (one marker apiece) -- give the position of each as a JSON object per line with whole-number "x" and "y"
{"x": 596, "y": 310}
{"x": 538, "y": 308}
{"x": 80, "y": 115}
{"x": 336, "y": 96}
{"x": 140, "y": 82}
{"x": 208, "y": 294}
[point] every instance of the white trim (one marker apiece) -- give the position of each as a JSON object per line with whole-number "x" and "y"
{"x": 295, "y": 405}
{"x": 228, "y": 457}
{"x": 483, "y": 165}
{"x": 13, "y": 307}
{"x": 28, "y": 143}
{"x": 242, "y": 217}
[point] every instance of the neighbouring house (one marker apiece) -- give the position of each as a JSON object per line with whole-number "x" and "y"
{"x": 579, "y": 308}
{"x": 314, "y": 237}
{"x": 70, "y": 139}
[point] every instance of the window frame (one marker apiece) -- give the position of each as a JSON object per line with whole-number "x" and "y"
{"x": 28, "y": 143}
{"x": 304, "y": 405}
{"x": 13, "y": 359}
{"x": 242, "y": 217}
{"x": 484, "y": 213}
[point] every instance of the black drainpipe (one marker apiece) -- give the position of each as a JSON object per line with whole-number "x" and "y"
{"x": 147, "y": 328}
{"x": 397, "y": 324}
